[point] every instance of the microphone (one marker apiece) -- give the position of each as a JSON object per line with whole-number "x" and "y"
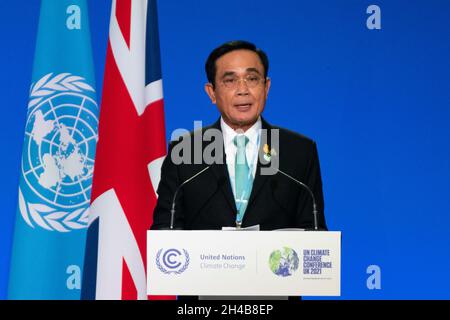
{"x": 172, "y": 211}
{"x": 316, "y": 227}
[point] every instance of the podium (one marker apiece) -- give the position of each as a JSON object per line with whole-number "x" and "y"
{"x": 243, "y": 263}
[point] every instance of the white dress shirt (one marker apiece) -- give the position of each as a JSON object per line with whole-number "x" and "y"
{"x": 253, "y": 134}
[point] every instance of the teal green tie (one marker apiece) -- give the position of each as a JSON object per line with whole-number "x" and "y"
{"x": 243, "y": 178}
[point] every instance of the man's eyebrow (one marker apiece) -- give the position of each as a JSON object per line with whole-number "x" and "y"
{"x": 231, "y": 73}
{"x": 254, "y": 70}
{"x": 228, "y": 73}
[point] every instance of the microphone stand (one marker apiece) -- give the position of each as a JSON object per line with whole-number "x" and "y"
{"x": 316, "y": 227}
{"x": 172, "y": 210}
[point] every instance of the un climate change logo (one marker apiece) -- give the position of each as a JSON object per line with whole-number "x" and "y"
{"x": 284, "y": 262}
{"x": 172, "y": 261}
{"x": 58, "y": 155}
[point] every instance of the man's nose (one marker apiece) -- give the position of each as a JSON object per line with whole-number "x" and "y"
{"x": 242, "y": 87}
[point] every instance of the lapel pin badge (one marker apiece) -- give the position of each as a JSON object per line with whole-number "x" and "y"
{"x": 268, "y": 153}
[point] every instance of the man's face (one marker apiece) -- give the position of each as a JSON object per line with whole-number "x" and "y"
{"x": 238, "y": 95}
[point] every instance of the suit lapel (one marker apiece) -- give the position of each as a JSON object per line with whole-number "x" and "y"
{"x": 260, "y": 180}
{"x": 221, "y": 172}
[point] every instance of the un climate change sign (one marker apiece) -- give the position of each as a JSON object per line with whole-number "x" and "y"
{"x": 172, "y": 261}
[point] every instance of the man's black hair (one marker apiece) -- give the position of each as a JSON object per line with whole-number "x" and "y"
{"x": 210, "y": 65}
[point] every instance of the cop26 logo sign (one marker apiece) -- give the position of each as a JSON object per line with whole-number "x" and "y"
{"x": 58, "y": 153}
{"x": 172, "y": 261}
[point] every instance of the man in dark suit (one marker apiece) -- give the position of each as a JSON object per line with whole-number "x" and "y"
{"x": 241, "y": 188}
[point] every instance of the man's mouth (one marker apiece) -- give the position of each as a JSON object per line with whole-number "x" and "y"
{"x": 243, "y": 106}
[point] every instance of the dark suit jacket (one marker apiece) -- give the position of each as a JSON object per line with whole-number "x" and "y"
{"x": 275, "y": 202}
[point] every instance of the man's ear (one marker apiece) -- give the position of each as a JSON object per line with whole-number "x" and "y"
{"x": 267, "y": 85}
{"x": 209, "y": 88}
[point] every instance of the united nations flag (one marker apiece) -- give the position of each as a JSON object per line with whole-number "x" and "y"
{"x": 57, "y": 158}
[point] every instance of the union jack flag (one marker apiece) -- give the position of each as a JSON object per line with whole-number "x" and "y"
{"x": 130, "y": 152}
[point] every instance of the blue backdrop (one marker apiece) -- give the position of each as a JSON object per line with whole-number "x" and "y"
{"x": 377, "y": 102}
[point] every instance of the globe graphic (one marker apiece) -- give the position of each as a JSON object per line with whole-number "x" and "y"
{"x": 284, "y": 262}
{"x": 59, "y": 149}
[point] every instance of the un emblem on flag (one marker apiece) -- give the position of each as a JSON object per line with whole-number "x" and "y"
{"x": 58, "y": 154}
